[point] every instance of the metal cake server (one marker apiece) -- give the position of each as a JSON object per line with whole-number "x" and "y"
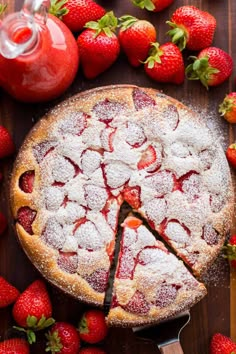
{"x": 166, "y": 334}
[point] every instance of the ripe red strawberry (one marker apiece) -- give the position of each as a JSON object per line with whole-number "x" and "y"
{"x": 8, "y": 293}
{"x": 91, "y": 350}
{"x": 92, "y": 326}
{"x": 3, "y": 223}
{"x": 231, "y": 155}
{"x": 27, "y": 181}
{"x": 230, "y": 249}
{"x": 165, "y": 63}
{"x": 14, "y": 346}
{"x": 7, "y": 146}
{"x": 63, "y": 338}
{"x": 228, "y": 107}
{"x": 132, "y": 222}
{"x": 192, "y": 28}
{"x": 153, "y": 5}
{"x": 132, "y": 196}
{"x": 212, "y": 66}
{"x": 98, "y": 45}
{"x": 135, "y": 31}
{"x": 76, "y": 13}
{"x": 33, "y": 309}
{"x": 222, "y": 345}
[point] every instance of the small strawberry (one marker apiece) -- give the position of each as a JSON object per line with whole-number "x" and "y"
{"x": 14, "y": 346}
{"x": 230, "y": 249}
{"x": 135, "y": 31}
{"x": 63, "y": 338}
{"x": 228, "y": 107}
{"x": 3, "y": 223}
{"x": 231, "y": 155}
{"x": 212, "y": 67}
{"x": 33, "y": 309}
{"x": 92, "y": 326}
{"x": 153, "y": 5}
{"x": 91, "y": 350}
{"x": 7, "y": 146}
{"x": 165, "y": 63}
{"x": 222, "y": 345}
{"x": 132, "y": 196}
{"x": 76, "y": 13}
{"x": 27, "y": 181}
{"x": 192, "y": 28}
{"x": 8, "y": 293}
{"x": 98, "y": 45}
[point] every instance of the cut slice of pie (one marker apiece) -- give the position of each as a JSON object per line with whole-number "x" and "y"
{"x": 150, "y": 283}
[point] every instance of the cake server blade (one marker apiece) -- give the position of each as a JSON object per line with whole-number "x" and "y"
{"x": 165, "y": 334}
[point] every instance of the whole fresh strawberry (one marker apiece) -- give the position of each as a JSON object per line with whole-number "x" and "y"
{"x": 230, "y": 249}
{"x": 7, "y": 146}
{"x": 33, "y": 309}
{"x": 165, "y": 63}
{"x": 8, "y": 293}
{"x": 92, "y": 326}
{"x": 135, "y": 31}
{"x": 228, "y": 107}
{"x": 63, "y": 338}
{"x": 153, "y": 5}
{"x": 221, "y": 344}
{"x": 192, "y": 28}
{"x": 231, "y": 155}
{"x": 3, "y": 223}
{"x": 98, "y": 45}
{"x": 14, "y": 346}
{"x": 91, "y": 350}
{"x": 76, "y": 13}
{"x": 212, "y": 67}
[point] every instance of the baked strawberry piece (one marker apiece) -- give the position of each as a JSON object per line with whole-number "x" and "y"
{"x": 150, "y": 282}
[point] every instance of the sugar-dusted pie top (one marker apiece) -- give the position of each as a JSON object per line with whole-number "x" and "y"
{"x": 104, "y": 146}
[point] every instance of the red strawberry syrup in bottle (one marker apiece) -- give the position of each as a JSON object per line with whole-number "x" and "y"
{"x": 39, "y": 56}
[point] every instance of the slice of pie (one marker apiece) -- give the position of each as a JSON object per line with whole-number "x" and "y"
{"x": 109, "y": 145}
{"x": 150, "y": 282}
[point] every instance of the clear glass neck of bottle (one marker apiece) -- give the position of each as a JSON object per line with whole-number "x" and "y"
{"x": 19, "y": 31}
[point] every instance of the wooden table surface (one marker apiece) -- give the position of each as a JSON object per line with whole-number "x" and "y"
{"x": 217, "y": 312}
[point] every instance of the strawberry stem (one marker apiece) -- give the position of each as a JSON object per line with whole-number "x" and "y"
{"x": 200, "y": 70}
{"x": 57, "y": 8}
{"x": 226, "y": 106}
{"x": 178, "y": 35}
{"x": 2, "y": 8}
{"x": 126, "y": 21}
{"x": 107, "y": 24}
{"x": 144, "y": 4}
{"x": 54, "y": 344}
{"x": 155, "y": 54}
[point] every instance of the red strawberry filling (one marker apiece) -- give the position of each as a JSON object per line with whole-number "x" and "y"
{"x": 135, "y": 135}
{"x": 171, "y": 115}
{"x": 132, "y": 196}
{"x": 25, "y": 217}
{"x": 190, "y": 184}
{"x": 98, "y": 280}
{"x": 210, "y": 235}
{"x": 107, "y": 110}
{"x": 68, "y": 261}
{"x": 26, "y": 181}
{"x": 148, "y": 158}
{"x": 43, "y": 149}
{"x": 166, "y": 294}
{"x": 76, "y": 124}
{"x": 107, "y": 136}
{"x": 137, "y": 304}
{"x": 142, "y": 100}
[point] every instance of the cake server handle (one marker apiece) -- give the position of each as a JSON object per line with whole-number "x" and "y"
{"x": 172, "y": 348}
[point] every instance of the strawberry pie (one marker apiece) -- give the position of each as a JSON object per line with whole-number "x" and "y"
{"x": 108, "y": 147}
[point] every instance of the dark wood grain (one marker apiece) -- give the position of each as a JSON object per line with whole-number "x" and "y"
{"x": 213, "y": 314}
